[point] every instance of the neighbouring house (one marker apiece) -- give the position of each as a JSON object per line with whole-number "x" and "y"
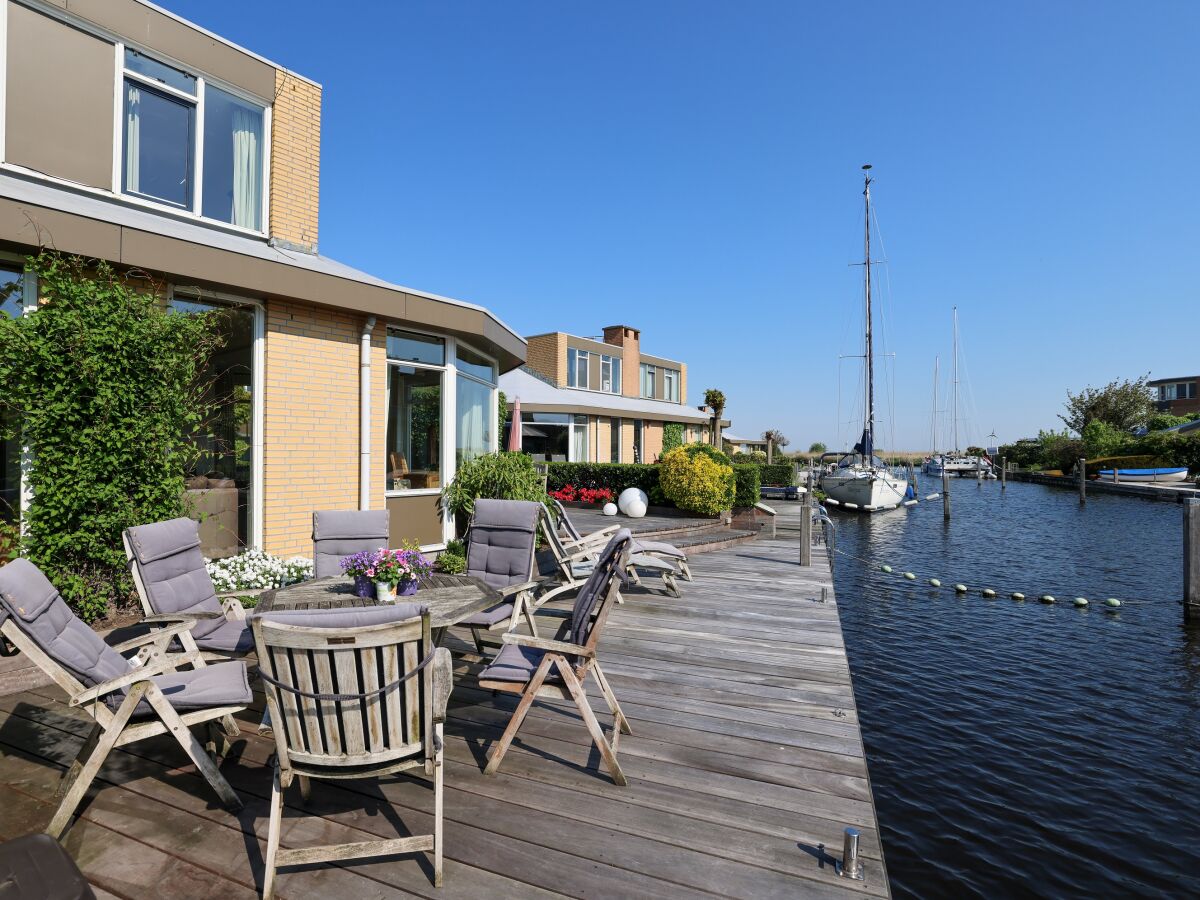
{"x": 1176, "y": 396}
{"x": 743, "y": 445}
{"x": 600, "y": 399}
{"x": 133, "y": 136}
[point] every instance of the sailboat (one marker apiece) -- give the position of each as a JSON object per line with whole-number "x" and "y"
{"x": 860, "y": 480}
{"x": 955, "y": 462}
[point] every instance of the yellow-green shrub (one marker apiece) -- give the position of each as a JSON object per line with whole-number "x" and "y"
{"x": 698, "y": 478}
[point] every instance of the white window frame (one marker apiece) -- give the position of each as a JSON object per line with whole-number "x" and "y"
{"x": 192, "y": 213}
{"x": 577, "y": 421}
{"x": 258, "y": 375}
{"x": 583, "y": 362}
{"x": 493, "y": 386}
{"x": 447, "y": 410}
{"x": 671, "y": 384}
{"x": 648, "y": 374}
{"x": 614, "y": 374}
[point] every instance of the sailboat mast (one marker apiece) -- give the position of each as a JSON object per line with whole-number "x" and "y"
{"x": 933, "y": 426}
{"x": 869, "y": 353}
{"x": 956, "y": 379}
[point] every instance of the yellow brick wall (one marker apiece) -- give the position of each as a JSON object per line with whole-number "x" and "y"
{"x": 295, "y": 161}
{"x": 310, "y": 405}
{"x": 627, "y": 440}
{"x": 683, "y": 384}
{"x": 547, "y": 354}
{"x": 603, "y": 442}
{"x": 652, "y": 440}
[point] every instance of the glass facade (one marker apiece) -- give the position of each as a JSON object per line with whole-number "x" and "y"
{"x": 414, "y": 428}
{"x": 233, "y": 160}
{"x": 476, "y": 419}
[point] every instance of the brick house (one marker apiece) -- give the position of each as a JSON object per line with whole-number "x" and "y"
{"x": 600, "y": 400}
{"x": 130, "y": 135}
{"x": 1176, "y": 396}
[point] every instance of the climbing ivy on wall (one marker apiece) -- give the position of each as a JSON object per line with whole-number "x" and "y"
{"x": 104, "y": 386}
{"x": 672, "y": 435}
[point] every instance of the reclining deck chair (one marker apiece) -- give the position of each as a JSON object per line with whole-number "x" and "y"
{"x": 574, "y": 563}
{"x": 358, "y": 693}
{"x": 128, "y": 699}
{"x": 573, "y": 537}
{"x": 342, "y": 532}
{"x": 538, "y": 667}
{"x": 174, "y": 586}
{"x": 501, "y": 541}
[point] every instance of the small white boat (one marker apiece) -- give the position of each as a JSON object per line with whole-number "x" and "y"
{"x": 1142, "y": 475}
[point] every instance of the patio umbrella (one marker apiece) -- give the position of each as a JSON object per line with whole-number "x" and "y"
{"x": 514, "y": 432}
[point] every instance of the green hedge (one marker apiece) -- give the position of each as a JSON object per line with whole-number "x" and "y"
{"x": 748, "y": 483}
{"x": 614, "y": 476}
{"x": 778, "y": 474}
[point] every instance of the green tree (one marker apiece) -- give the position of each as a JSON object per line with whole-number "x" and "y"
{"x": 816, "y": 448}
{"x": 1124, "y": 405}
{"x": 106, "y": 388}
{"x": 715, "y": 401}
{"x": 775, "y": 439}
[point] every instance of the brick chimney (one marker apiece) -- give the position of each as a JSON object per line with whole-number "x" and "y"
{"x": 630, "y": 341}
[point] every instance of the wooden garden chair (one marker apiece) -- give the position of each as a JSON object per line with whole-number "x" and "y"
{"x": 338, "y": 533}
{"x": 129, "y": 699}
{"x": 174, "y": 586}
{"x": 558, "y": 668}
{"x": 501, "y": 542}
{"x": 573, "y": 564}
{"x": 354, "y": 693}
{"x": 573, "y": 538}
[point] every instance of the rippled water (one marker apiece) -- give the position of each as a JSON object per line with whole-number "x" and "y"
{"x": 1020, "y": 749}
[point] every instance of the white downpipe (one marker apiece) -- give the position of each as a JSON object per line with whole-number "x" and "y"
{"x": 364, "y": 415}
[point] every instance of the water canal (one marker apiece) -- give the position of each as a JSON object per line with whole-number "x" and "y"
{"x": 1021, "y": 749}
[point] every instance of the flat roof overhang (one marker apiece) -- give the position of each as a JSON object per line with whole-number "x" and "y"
{"x": 256, "y": 270}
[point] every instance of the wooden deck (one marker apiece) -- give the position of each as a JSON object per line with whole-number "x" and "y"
{"x": 745, "y": 757}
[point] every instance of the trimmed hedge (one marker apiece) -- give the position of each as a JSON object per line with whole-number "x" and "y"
{"x": 747, "y": 484}
{"x": 614, "y": 476}
{"x": 778, "y": 474}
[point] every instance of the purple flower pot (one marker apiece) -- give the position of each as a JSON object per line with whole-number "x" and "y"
{"x": 407, "y": 588}
{"x": 363, "y": 586}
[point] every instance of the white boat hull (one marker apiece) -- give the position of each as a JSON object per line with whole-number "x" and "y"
{"x": 869, "y": 492}
{"x": 1125, "y": 475}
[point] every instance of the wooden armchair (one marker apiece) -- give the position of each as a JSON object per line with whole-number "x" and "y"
{"x": 557, "y": 668}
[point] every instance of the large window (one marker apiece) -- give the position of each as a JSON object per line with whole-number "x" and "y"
{"x": 11, "y": 304}
{"x": 163, "y": 159}
{"x": 610, "y": 374}
{"x": 648, "y": 375}
{"x": 220, "y": 486}
{"x": 578, "y": 364}
{"x": 1179, "y": 390}
{"x": 579, "y": 439}
{"x": 545, "y": 437}
{"x": 671, "y": 385}
{"x": 414, "y": 410}
{"x": 475, "y": 404}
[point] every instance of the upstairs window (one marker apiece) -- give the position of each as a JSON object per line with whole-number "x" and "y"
{"x": 610, "y": 374}
{"x": 578, "y": 363}
{"x": 649, "y": 373}
{"x": 163, "y": 157}
{"x": 671, "y": 385}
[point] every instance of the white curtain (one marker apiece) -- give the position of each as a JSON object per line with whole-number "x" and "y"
{"x": 133, "y": 138}
{"x": 247, "y": 168}
{"x": 473, "y": 404}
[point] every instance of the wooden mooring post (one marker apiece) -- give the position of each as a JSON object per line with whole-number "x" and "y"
{"x": 1082, "y": 480}
{"x": 945, "y": 492}
{"x": 1004, "y": 473}
{"x": 1191, "y": 560}
{"x": 806, "y": 511}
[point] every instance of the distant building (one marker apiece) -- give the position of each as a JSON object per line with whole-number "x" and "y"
{"x": 1177, "y": 396}
{"x": 588, "y": 400}
{"x": 744, "y": 445}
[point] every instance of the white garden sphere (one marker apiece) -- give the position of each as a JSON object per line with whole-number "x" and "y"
{"x": 610, "y": 509}
{"x": 633, "y": 502}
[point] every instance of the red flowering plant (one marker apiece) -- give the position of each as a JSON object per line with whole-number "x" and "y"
{"x": 568, "y": 493}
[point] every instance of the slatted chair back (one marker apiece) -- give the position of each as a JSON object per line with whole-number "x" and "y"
{"x": 558, "y": 550}
{"x": 600, "y": 591}
{"x": 338, "y": 533}
{"x": 169, "y": 573}
{"x": 501, "y": 541}
{"x": 348, "y": 688}
{"x": 564, "y": 521}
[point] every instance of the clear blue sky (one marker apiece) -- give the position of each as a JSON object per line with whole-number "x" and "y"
{"x": 692, "y": 168}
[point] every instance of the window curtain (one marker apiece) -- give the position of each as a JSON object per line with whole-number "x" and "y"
{"x": 247, "y": 172}
{"x": 133, "y": 138}
{"x": 472, "y": 405}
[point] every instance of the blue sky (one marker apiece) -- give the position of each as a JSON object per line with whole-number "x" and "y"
{"x": 692, "y": 169}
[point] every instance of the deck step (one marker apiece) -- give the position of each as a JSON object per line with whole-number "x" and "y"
{"x": 714, "y": 540}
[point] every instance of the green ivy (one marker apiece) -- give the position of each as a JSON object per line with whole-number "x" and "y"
{"x": 747, "y": 486}
{"x": 672, "y": 435}
{"x": 104, "y": 386}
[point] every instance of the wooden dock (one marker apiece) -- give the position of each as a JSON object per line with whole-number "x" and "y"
{"x": 745, "y": 759}
{"x": 1177, "y": 492}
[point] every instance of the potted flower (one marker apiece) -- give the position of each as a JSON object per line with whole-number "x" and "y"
{"x": 361, "y": 567}
{"x": 399, "y": 572}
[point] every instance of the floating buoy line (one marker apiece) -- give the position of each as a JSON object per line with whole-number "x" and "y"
{"x": 1109, "y": 604}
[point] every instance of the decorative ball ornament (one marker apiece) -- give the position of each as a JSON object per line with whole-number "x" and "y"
{"x": 633, "y": 502}
{"x": 610, "y": 509}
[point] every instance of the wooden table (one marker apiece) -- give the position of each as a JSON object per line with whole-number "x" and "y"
{"x": 450, "y": 598}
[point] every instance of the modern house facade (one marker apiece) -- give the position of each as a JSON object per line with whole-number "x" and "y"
{"x": 600, "y": 399}
{"x": 743, "y": 445}
{"x": 132, "y": 136}
{"x": 1176, "y": 396}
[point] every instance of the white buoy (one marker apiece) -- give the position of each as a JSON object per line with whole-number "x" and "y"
{"x": 1046, "y": 598}
{"x": 910, "y": 502}
{"x": 988, "y": 592}
{"x": 1080, "y": 601}
{"x": 850, "y": 505}
{"x": 960, "y": 589}
{"x": 933, "y": 496}
{"x": 1017, "y": 595}
{"x": 1112, "y": 603}
{"x": 832, "y": 502}
{"x": 933, "y": 582}
{"x": 910, "y": 576}
{"x": 885, "y": 568}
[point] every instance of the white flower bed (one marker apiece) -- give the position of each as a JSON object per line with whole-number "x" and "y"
{"x": 254, "y": 570}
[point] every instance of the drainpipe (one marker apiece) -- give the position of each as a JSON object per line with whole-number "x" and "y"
{"x": 364, "y": 415}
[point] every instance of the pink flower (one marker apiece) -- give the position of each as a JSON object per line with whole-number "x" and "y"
{"x": 370, "y": 573}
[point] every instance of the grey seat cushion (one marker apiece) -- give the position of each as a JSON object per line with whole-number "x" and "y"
{"x": 490, "y": 617}
{"x": 168, "y": 557}
{"x": 232, "y": 636}
{"x": 640, "y": 546}
{"x": 36, "y": 866}
{"x": 338, "y": 533}
{"x": 516, "y": 664}
{"x": 222, "y": 684}
{"x": 501, "y": 540}
{"x": 355, "y": 617}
